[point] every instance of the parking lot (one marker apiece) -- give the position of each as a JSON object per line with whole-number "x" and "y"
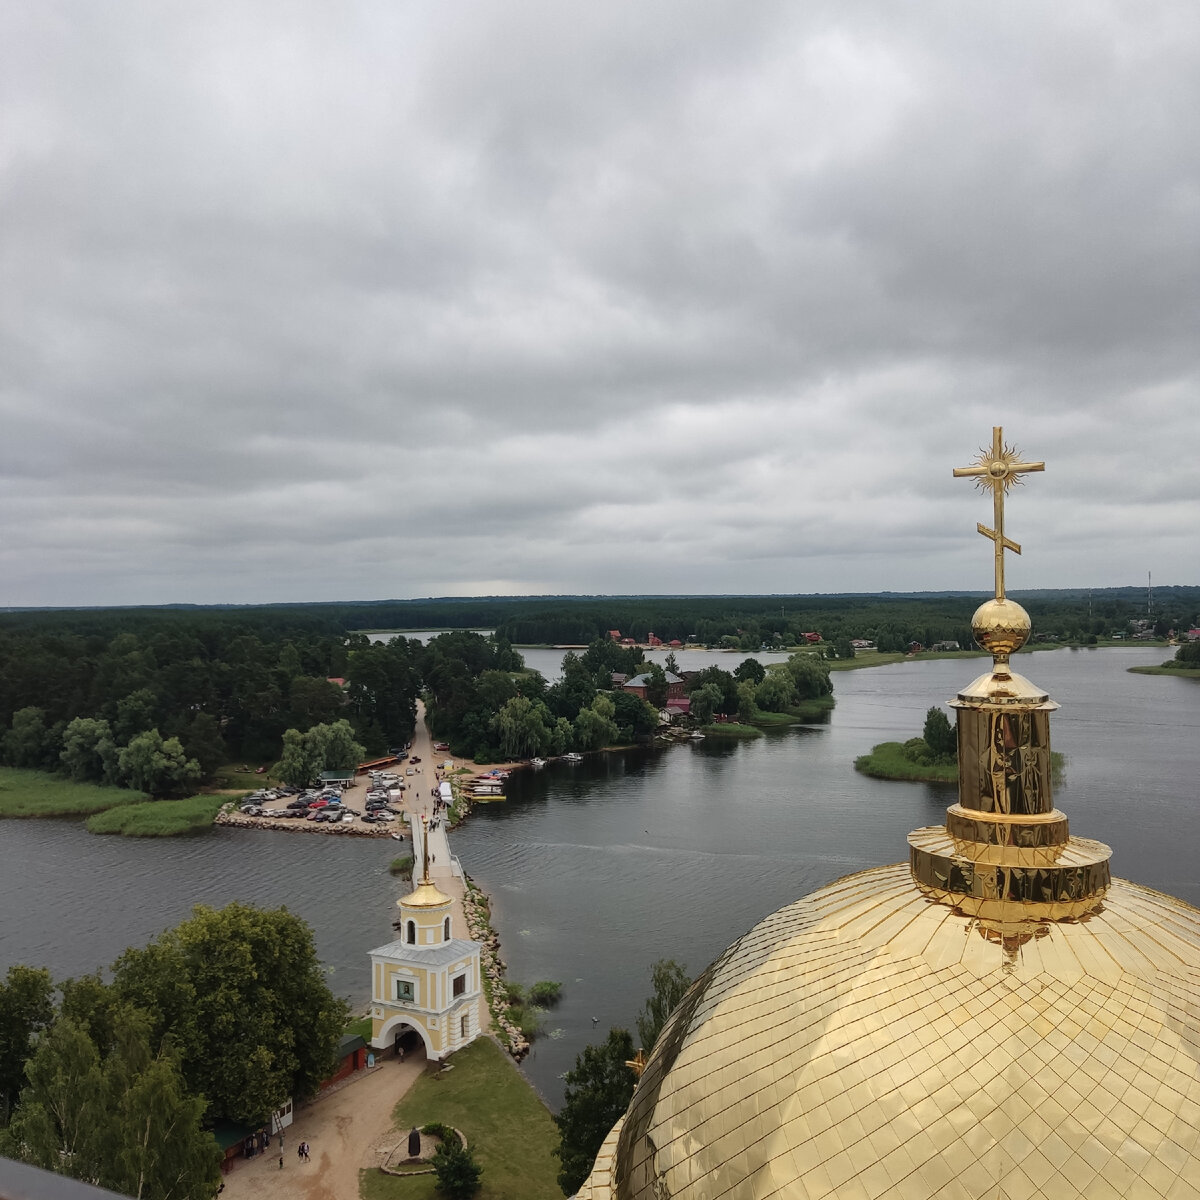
{"x": 372, "y": 805}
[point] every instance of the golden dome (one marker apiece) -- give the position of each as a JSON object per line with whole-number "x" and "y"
{"x": 868, "y": 1041}
{"x": 997, "y": 1019}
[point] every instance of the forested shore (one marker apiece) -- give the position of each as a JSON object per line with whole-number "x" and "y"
{"x": 159, "y": 700}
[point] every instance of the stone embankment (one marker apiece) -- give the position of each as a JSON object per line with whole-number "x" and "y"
{"x": 479, "y": 925}
{"x": 339, "y": 828}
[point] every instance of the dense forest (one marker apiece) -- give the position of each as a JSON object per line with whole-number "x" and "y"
{"x": 158, "y": 698}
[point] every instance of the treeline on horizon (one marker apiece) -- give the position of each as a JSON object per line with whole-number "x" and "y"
{"x": 184, "y": 690}
{"x": 1070, "y": 610}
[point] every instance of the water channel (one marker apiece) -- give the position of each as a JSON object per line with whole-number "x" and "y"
{"x": 596, "y": 870}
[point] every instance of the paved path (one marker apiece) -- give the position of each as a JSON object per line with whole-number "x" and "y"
{"x": 352, "y": 1127}
{"x": 345, "y": 1130}
{"x": 418, "y": 802}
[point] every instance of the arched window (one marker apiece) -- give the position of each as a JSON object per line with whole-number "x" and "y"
{"x": 411, "y": 933}
{"x": 446, "y": 930}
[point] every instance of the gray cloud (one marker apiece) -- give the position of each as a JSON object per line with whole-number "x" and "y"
{"x": 309, "y": 301}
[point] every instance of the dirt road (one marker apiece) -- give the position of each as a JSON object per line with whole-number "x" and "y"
{"x": 346, "y": 1131}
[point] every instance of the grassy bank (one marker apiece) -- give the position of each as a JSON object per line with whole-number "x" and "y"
{"x": 158, "y": 818}
{"x": 1168, "y": 668}
{"x": 509, "y": 1130}
{"x": 40, "y": 794}
{"x": 798, "y": 714}
{"x": 887, "y": 761}
{"x": 731, "y": 729}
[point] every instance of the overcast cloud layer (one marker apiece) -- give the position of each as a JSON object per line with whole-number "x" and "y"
{"x": 310, "y": 301}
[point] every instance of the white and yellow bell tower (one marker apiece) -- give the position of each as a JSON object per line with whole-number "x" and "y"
{"x": 427, "y": 981}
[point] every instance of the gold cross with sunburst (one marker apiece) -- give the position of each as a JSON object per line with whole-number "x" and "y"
{"x": 998, "y": 468}
{"x": 637, "y": 1064}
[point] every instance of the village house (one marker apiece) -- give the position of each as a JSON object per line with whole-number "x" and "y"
{"x": 638, "y": 684}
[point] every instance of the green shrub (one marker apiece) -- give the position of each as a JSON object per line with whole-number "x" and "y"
{"x": 456, "y": 1170}
{"x": 546, "y": 993}
{"x": 445, "y": 1133}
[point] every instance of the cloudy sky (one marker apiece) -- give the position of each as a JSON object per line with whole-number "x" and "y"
{"x": 305, "y": 301}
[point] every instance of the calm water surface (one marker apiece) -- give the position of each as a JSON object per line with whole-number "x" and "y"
{"x": 597, "y": 870}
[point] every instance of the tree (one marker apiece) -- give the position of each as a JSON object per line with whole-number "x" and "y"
{"x": 321, "y": 748}
{"x": 313, "y": 700}
{"x": 58, "y": 1122}
{"x": 751, "y": 669}
{"x": 747, "y": 705}
{"x": 26, "y": 744}
{"x": 939, "y": 735}
{"x": 25, "y": 1010}
{"x": 123, "y": 1120}
{"x": 522, "y": 727}
{"x": 656, "y": 685}
{"x": 136, "y": 713}
{"x": 634, "y": 717}
{"x": 810, "y": 675}
{"x": 243, "y": 995}
{"x": 598, "y": 1090}
{"x": 562, "y": 736}
{"x": 335, "y": 747}
{"x": 574, "y": 691}
{"x": 670, "y": 982}
{"x": 776, "y": 693}
{"x": 297, "y": 765}
{"x": 725, "y": 684}
{"x": 159, "y": 766}
{"x": 595, "y": 727}
{"x": 89, "y": 751}
{"x": 705, "y": 700}
{"x": 202, "y": 741}
{"x": 456, "y": 1170}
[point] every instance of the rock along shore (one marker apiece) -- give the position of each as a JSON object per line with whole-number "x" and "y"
{"x": 340, "y": 828}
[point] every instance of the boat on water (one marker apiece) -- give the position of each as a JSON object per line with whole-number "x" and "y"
{"x": 572, "y": 757}
{"x": 537, "y": 763}
{"x": 697, "y": 736}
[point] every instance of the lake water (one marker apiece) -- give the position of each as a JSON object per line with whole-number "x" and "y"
{"x": 597, "y": 870}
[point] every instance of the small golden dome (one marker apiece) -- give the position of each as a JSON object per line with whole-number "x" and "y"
{"x": 1001, "y": 627}
{"x": 424, "y": 895}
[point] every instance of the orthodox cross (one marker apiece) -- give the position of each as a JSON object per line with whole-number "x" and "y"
{"x": 637, "y": 1064}
{"x": 998, "y": 468}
